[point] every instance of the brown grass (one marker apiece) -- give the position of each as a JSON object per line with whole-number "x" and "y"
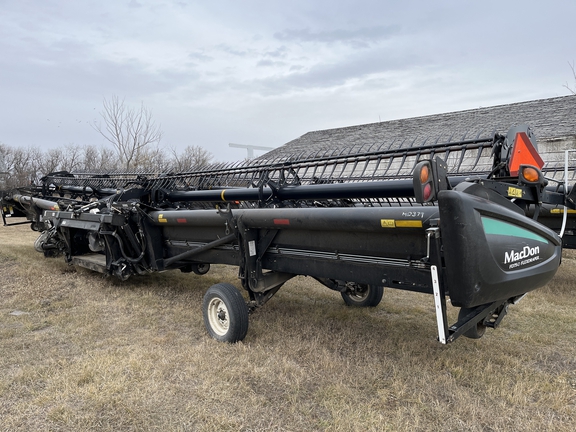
{"x": 92, "y": 353}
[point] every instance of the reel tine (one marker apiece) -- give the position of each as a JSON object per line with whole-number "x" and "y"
{"x": 376, "y": 160}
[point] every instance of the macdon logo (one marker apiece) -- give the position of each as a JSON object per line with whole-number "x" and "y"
{"x": 526, "y": 252}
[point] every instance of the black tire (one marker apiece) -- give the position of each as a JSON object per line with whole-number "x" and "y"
{"x": 225, "y": 313}
{"x": 363, "y": 296}
{"x": 475, "y": 332}
{"x": 201, "y": 269}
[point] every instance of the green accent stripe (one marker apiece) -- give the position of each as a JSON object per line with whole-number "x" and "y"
{"x": 498, "y": 227}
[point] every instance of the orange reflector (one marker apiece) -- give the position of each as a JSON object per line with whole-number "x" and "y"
{"x": 531, "y": 174}
{"x": 281, "y": 221}
{"x": 424, "y": 174}
{"x": 427, "y": 192}
{"x": 523, "y": 153}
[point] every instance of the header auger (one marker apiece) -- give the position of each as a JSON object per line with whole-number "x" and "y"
{"x": 476, "y": 221}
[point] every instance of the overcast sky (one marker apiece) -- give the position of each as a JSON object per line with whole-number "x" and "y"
{"x": 266, "y": 72}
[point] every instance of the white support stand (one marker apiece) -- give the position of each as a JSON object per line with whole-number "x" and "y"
{"x": 565, "y": 215}
{"x": 438, "y": 303}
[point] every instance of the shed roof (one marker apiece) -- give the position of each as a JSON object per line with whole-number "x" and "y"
{"x": 550, "y": 119}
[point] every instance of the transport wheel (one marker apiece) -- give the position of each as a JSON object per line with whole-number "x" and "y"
{"x": 201, "y": 269}
{"x": 362, "y": 295}
{"x": 40, "y": 241}
{"x": 225, "y": 313}
{"x": 475, "y": 332}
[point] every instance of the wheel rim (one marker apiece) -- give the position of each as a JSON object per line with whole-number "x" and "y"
{"x": 218, "y": 316}
{"x": 359, "y": 294}
{"x": 40, "y": 241}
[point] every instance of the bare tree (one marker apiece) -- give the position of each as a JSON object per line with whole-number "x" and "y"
{"x": 570, "y": 89}
{"x": 98, "y": 159}
{"x": 154, "y": 159}
{"x": 129, "y": 130}
{"x": 191, "y": 158}
{"x": 71, "y": 158}
{"x": 90, "y": 158}
{"x": 5, "y": 157}
{"x": 46, "y": 162}
{"x": 20, "y": 166}
{"x": 24, "y": 170}
{"x": 5, "y": 166}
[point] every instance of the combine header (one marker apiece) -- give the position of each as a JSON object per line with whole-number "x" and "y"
{"x": 476, "y": 221}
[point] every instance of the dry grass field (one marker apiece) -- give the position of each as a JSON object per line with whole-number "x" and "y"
{"x": 79, "y": 352}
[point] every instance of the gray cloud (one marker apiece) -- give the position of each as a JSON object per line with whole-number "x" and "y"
{"x": 231, "y": 49}
{"x": 356, "y": 65}
{"x": 228, "y": 71}
{"x": 359, "y": 37}
{"x": 279, "y": 52}
{"x": 200, "y": 56}
{"x": 268, "y": 62}
{"x": 68, "y": 66}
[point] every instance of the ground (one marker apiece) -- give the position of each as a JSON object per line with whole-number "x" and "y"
{"x": 83, "y": 352}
